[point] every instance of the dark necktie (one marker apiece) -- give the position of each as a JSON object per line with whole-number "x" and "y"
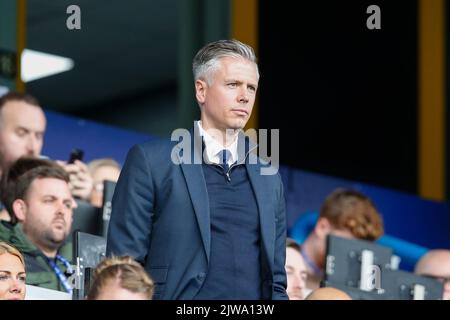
{"x": 224, "y": 156}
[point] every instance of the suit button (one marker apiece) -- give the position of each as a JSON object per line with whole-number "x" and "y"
{"x": 201, "y": 276}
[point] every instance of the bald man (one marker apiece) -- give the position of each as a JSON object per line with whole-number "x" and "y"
{"x": 328, "y": 294}
{"x": 436, "y": 264}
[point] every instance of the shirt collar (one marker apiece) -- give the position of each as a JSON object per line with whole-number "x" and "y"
{"x": 213, "y": 147}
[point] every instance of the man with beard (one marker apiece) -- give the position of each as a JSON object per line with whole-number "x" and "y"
{"x": 39, "y": 197}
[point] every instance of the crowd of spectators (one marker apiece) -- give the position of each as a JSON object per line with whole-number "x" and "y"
{"x": 38, "y": 197}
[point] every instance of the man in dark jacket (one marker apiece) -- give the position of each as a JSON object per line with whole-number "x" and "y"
{"x": 213, "y": 229}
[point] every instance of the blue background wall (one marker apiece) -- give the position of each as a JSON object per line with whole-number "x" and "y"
{"x": 97, "y": 140}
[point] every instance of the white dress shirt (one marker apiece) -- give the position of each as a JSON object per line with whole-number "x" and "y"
{"x": 214, "y": 147}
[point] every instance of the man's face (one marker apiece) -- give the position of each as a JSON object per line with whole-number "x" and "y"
{"x": 48, "y": 212}
{"x": 227, "y": 102}
{"x": 22, "y": 128}
{"x": 296, "y": 274}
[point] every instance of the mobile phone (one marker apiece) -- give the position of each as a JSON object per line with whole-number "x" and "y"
{"x": 76, "y": 154}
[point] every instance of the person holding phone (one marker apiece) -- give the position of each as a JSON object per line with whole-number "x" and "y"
{"x": 81, "y": 182}
{"x": 22, "y": 130}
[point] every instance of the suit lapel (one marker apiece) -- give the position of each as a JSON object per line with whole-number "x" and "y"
{"x": 196, "y": 184}
{"x": 195, "y": 180}
{"x": 266, "y": 217}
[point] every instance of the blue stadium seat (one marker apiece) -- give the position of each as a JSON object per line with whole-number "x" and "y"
{"x": 303, "y": 226}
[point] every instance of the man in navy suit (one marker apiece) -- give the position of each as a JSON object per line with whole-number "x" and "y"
{"x": 209, "y": 229}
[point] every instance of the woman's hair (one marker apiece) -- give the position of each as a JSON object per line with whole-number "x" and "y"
{"x": 354, "y": 211}
{"x": 7, "y": 248}
{"x": 129, "y": 274}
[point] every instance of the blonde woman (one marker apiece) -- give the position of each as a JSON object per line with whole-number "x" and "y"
{"x": 12, "y": 273}
{"x": 120, "y": 278}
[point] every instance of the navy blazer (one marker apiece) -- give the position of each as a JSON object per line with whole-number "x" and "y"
{"x": 160, "y": 215}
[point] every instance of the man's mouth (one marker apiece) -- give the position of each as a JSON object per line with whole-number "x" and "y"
{"x": 59, "y": 221}
{"x": 241, "y": 112}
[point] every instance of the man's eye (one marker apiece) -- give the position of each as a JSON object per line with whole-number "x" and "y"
{"x": 232, "y": 85}
{"x": 22, "y": 278}
{"x": 21, "y": 132}
{"x": 252, "y": 89}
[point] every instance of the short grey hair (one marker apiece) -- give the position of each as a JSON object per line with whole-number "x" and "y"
{"x": 207, "y": 58}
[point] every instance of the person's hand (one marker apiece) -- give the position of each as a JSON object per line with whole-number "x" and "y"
{"x": 81, "y": 182}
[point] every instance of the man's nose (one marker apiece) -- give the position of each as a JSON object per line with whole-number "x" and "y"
{"x": 32, "y": 145}
{"x": 296, "y": 282}
{"x": 62, "y": 209}
{"x": 243, "y": 95}
{"x": 301, "y": 284}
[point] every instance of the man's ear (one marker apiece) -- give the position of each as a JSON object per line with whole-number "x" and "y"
{"x": 20, "y": 209}
{"x": 200, "y": 90}
{"x": 322, "y": 228}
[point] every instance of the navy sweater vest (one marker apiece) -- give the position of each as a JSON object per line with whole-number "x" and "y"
{"x": 235, "y": 259}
